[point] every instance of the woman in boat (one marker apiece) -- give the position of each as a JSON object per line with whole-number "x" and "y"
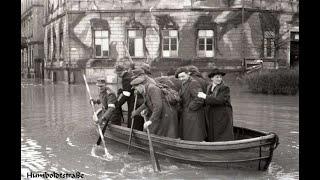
{"x": 218, "y": 108}
{"x": 162, "y": 117}
{"x": 192, "y": 117}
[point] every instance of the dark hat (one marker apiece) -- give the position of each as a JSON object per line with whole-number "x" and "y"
{"x": 180, "y": 70}
{"x": 146, "y": 67}
{"x": 137, "y": 72}
{"x": 193, "y": 69}
{"x": 137, "y": 81}
{"x": 215, "y": 72}
{"x": 120, "y": 68}
{"x": 101, "y": 82}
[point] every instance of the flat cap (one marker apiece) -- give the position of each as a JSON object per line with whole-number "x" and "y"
{"x": 101, "y": 82}
{"x": 120, "y": 68}
{"x": 137, "y": 72}
{"x": 193, "y": 69}
{"x": 137, "y": 81}
{"x": 146, "y": 67}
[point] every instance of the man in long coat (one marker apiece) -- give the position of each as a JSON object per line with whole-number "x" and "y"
{"x": 218, "y": 108}
{"x": 127, "y": 95}
{"x": 162, "y": 118}
{"x": 192, "y": 122}
{"x": 196, "y": 75}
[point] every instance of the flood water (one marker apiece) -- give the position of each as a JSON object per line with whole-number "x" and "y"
{"x": 58, "y": 135}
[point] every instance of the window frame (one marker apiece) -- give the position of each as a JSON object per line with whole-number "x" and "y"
{"x": 94, "y": 43}
{"x": 172, "y": 53}
{"x": 142, "y": 38}
{"x": 203, "y": 53}
{"x": 269, "y": 36}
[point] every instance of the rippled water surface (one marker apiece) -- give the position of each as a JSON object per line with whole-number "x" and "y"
{"x": 57, "y": 135}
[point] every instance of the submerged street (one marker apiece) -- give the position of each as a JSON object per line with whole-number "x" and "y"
{"x": 58, "y": 135}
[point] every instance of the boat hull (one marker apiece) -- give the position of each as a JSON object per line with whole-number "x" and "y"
{"x": 251, "y": 149}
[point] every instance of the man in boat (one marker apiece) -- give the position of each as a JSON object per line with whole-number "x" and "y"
{"x": 192, "y": 119}
{"x": 139, "y": 72}
{"x": 108, "y": 100}
{"x": 196, "y": 75}
{"x": 127, "y": 95}
{"x": 162, "y": 118}
{"x": 177, "y": 83}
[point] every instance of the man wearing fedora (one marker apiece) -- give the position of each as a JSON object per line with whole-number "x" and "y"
{"x": 218, "y": 108}
{"x": 108, "y": 100}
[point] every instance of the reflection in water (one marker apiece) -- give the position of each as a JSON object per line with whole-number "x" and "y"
{"x": 58, "y": 135}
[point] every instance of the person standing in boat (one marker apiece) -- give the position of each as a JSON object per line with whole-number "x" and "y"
{"x": 196, "y": 75}
{"x": 138, "y": 72}
{"x": 127, "y": 95}
{"x": 162, "y": 117}
{"x": 218, "y": 108}
{"x": 177, "y": 83}
{"x": 108, "y": 100}
{"x": 192, "y": 122}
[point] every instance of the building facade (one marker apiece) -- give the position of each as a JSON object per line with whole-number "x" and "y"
{"x": 91, "y": 36}
{"x": 32, "y": 33}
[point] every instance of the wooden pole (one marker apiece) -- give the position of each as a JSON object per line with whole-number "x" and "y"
{"x": 154, "y": 160}
{"x": 242, "y": 38}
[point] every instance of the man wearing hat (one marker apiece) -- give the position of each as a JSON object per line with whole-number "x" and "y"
{"x": 162, "y": 118}
{"x": 196, "y": 75}
{"x": 146, "y": 68}
{"x": 127, "y": 95}
{"x": 108, "y": 100}
{"x": 218, "y": 108}
{"x": 192, "y": 118}
{"x": 138, "y": 72}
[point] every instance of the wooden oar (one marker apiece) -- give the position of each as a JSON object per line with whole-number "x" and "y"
{"x": 154, "y": 160}
{"x": 95, "y": 114}
{"x": 132, "y": 121}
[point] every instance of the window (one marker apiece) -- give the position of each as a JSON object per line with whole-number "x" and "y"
{"x": 269, "y": 45}
{"x": 169, "y": 43}
{"x": 205, "y": 43}
{"x": 135, "y": 39}
{"x": 101, "y": 43}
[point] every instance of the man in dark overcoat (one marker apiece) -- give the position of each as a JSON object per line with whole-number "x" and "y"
{"x": 196, "y": 75}
{"x": 218, "y": 108}
{"x": 177, "y": 83}
{"x": 127, "y": 95}
{"x": 192, "y": 122}
{"x": 162, "y": 117}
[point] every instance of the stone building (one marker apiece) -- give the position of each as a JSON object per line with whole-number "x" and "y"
{"x": 32, "y": 33}
{"x": 91, "y": 36}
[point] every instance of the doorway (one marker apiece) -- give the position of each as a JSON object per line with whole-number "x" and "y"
{"x": 294, "y": 49}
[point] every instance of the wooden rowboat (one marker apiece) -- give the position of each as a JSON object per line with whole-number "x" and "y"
{"x": 252, "y": 149}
